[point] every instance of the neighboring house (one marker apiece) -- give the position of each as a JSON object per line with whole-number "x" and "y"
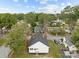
{"x": 38, "y": 28}
{"x": 57, "y": 22}
{"x": 67, "y": 54}
{"x": 38, "y": 44}
{"x": 68, "y": 43}
{"x": 67, "y": 31}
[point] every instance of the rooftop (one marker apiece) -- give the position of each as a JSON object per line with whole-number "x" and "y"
{"x": 36, "y": 38}
{"x": 68, "y": 41}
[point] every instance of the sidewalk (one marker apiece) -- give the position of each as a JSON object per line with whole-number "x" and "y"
{"x": 4, "y": 51}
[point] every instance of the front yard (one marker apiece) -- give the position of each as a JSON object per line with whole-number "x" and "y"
{"x": 54, "y": 52}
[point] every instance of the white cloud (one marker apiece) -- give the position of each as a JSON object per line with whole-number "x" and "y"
{"x": 33, "y": 7}
{"x": 15, "y": 0}
{"x": 42, "y": 1}
{"x": 4, "y": 10}
{"x": 50, "y": 8}
{"x": 63, "y": 5}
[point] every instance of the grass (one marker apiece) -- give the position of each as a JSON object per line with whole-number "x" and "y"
{"x": 22, "y": 52}
{"x": 2, "y": 41}
{"x": 54, "y": 50}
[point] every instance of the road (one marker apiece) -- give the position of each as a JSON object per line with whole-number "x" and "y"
{"x": 4, "y": 51}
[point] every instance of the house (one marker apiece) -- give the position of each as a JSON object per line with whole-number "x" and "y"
{"x": 67, "y": 54}
{"x": 38, "y": 44}
{"x": 68, "y": 43}
{"x": 57, "y": 22}
{"x": 67, "y": 31}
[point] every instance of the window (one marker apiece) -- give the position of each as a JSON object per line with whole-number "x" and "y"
{"x": 35, "y": 48}
{"x": 31, "y": 48}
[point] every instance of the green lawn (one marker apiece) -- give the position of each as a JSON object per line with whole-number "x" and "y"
{"x": 2, "y": 41}
{"x": 22, "y": 53}
{"x": 54, "y": 52}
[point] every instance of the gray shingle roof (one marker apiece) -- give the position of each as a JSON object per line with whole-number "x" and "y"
{"x": 68, "y": 41}
{"x": 36, "y": 38}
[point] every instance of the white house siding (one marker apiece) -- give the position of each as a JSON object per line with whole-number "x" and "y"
{"x": 64, "y": 42}
{"x": 41, "y": 48}
{"x": 72, "y": 48}
{"x": 66, "y": 45}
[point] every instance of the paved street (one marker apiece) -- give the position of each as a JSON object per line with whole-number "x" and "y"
{"x": 4, "y": 51}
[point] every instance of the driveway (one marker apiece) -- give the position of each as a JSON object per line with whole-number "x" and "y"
{"x": 4, "y": 51}
{"x": 54, "y": 38}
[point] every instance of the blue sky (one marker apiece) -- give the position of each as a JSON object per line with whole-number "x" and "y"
{"x": 25, "y": 6}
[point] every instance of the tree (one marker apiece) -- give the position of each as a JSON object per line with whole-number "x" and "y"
{"x": 69, "y": 15}
{"x": 7, "y": 20}
{"x": 75, "y": 35}
{"x": 30, "y": 18}
{"x": 19, "y": 16}
{"x": 16, "y": 36}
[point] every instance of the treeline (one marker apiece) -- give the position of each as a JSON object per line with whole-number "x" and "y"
{"x": 69, "y": 15}
{"x": 7, "y": 19}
